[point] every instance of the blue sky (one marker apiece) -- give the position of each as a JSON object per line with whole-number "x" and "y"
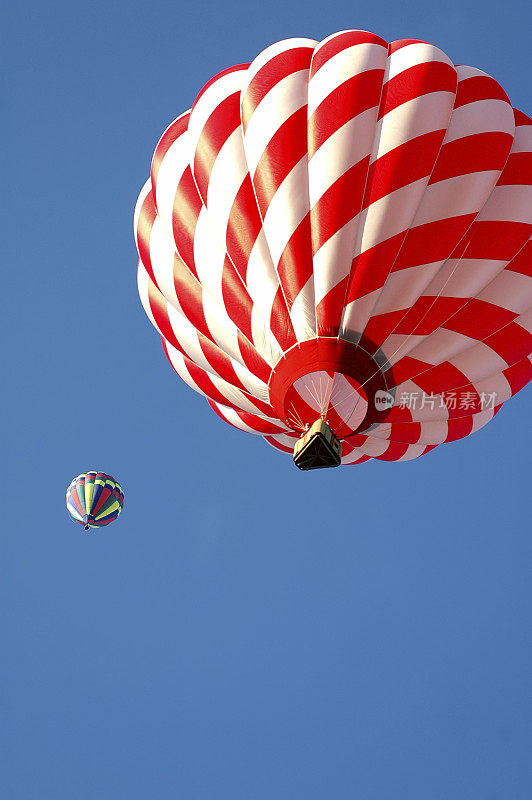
{"x": 244, "y": 631}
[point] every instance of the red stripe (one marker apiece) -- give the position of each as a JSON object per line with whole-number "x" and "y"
{"x": 409, "y": 162}
{"x": 253, "y": 359}
{"x": 173, "y": 132}
{"x": 339, "y": 42}
{"x": 75, "y": 499}
{"x": 345, "y": 102}
{"x": 518, "y": 375}
{"x": 258, "y": 424}
{"x": 398, "y": 44}
{"x": 427, "y": 314}
{"x": 361, "y": 460}
{"x": 278, "y": 445}
{"x": 329, "y": 310}
{"x": 104, "y": 496}
{"x": 424, "y": 78}
{"x": 243, "y": 227}
{"x": 362, "y": 277}
{"x": 434, "y": 241}
{"x": 338, "y": 204}
{"x": 356, "y": 440}
{"x": 495, "y": 239}
{"x": 217, "y": 78}
{"x": 394, "y": 452}
{"x": 220, "y": 363}
{"x": 223, "y": 121}
{"x": 219, "y": 360}
{"x": 206, "y": 385}
{"x": 479, "y": 87}
{"x": 277, "y": 68}
{"x": 405, "y": 432}
{"x": 522, "y": 262}
{"x": 521, "y": 119}
{"x": 518, "y": 170}
{"x": 295, "y": 265}
{"x": 445, "y": 377}
{"x": 236, "y": 300}
{"x": 285, "y": 149}
{"x": 262, "y": 425}
{"x": 513, "y": 342}
{"x": 477, "y": 319}
{"x": 144, "y": 228}
{"x": 187, "y": 206}
{"x": 476, "y": 153}
{"x": 405, "y": 369}
{"x": 160, "y": 314}
{"x": 204, "y": 382}
{"x": 190, "y": 293}
{"x": 458, "y": 428}
{"x": 280, "y": 322}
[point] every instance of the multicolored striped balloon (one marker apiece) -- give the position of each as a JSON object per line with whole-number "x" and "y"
{"x": 342, "y": 229}
{"x": 94, "y": 499}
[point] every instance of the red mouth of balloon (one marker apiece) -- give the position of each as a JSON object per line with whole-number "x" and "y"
{"x": 331, "y": 378}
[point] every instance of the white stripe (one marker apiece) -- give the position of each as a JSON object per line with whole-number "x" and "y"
{"x": 209, "y": 255}
{"x": 374, "y": 447}
{"x": 402, "y": 288}
{"x": 352, "y": 457}
{"x": 510, "y": 290}
{"x": 162, "y": 253}
{"x": 284, "y": 99}
{"x": 390, "y": 215}
{"x": 413, "y": 54}
{"x": 481, "y": 419}
{"x": 463, "y": 277}
{"x": 356, "y": 314}
{"x": 171, "y": 169}
{"x": 510, "y": 204}
{"x": 341, "y": 151}
{"x": 270, "y": 52}
{"x": 525, "y": 320}
{"x": 144, "y": 192}
{"x": 480, "y": 116}
{"x": 398, "y": 345}
{"x": 232, "y": 416}
{"x": 178, "y": 362}
{"x": 287, "y": 209}
{"x": 333, "y": 260}
{"x": 217, "y": 92}
{"x": 143, "y": 282}
{"x": 462, "y": 194}
{"x": 303, "y": 312}
{"x": 415, "y": 117}
{"x": 231, "y": 393}
{"x": 228, "y": 173}
{"x": 478, "y": 362}
{"x": 351, "y": 61}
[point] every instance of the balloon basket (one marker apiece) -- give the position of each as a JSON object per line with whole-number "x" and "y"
{"x": 318, "y": 448}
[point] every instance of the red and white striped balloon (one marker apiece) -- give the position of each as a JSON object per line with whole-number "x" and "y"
{"x": 343, "y": 228}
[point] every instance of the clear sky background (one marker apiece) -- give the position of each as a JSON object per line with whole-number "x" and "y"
{"x": 244, "y": 631}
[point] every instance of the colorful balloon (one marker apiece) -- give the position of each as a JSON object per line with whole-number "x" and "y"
{"x": 94, "y": 499}
{"x": 340, "y": 233}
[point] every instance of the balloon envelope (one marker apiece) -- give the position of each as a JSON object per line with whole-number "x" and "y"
{"x": 341, "y": 229}
{"x": 94, "y": 499}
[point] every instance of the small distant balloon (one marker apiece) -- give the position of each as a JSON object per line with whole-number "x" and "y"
{"x": 94, "y": 499}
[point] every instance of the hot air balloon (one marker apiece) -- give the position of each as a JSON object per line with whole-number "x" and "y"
{"x": 335, "y": 247}
{"x": 94, "y": 499}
